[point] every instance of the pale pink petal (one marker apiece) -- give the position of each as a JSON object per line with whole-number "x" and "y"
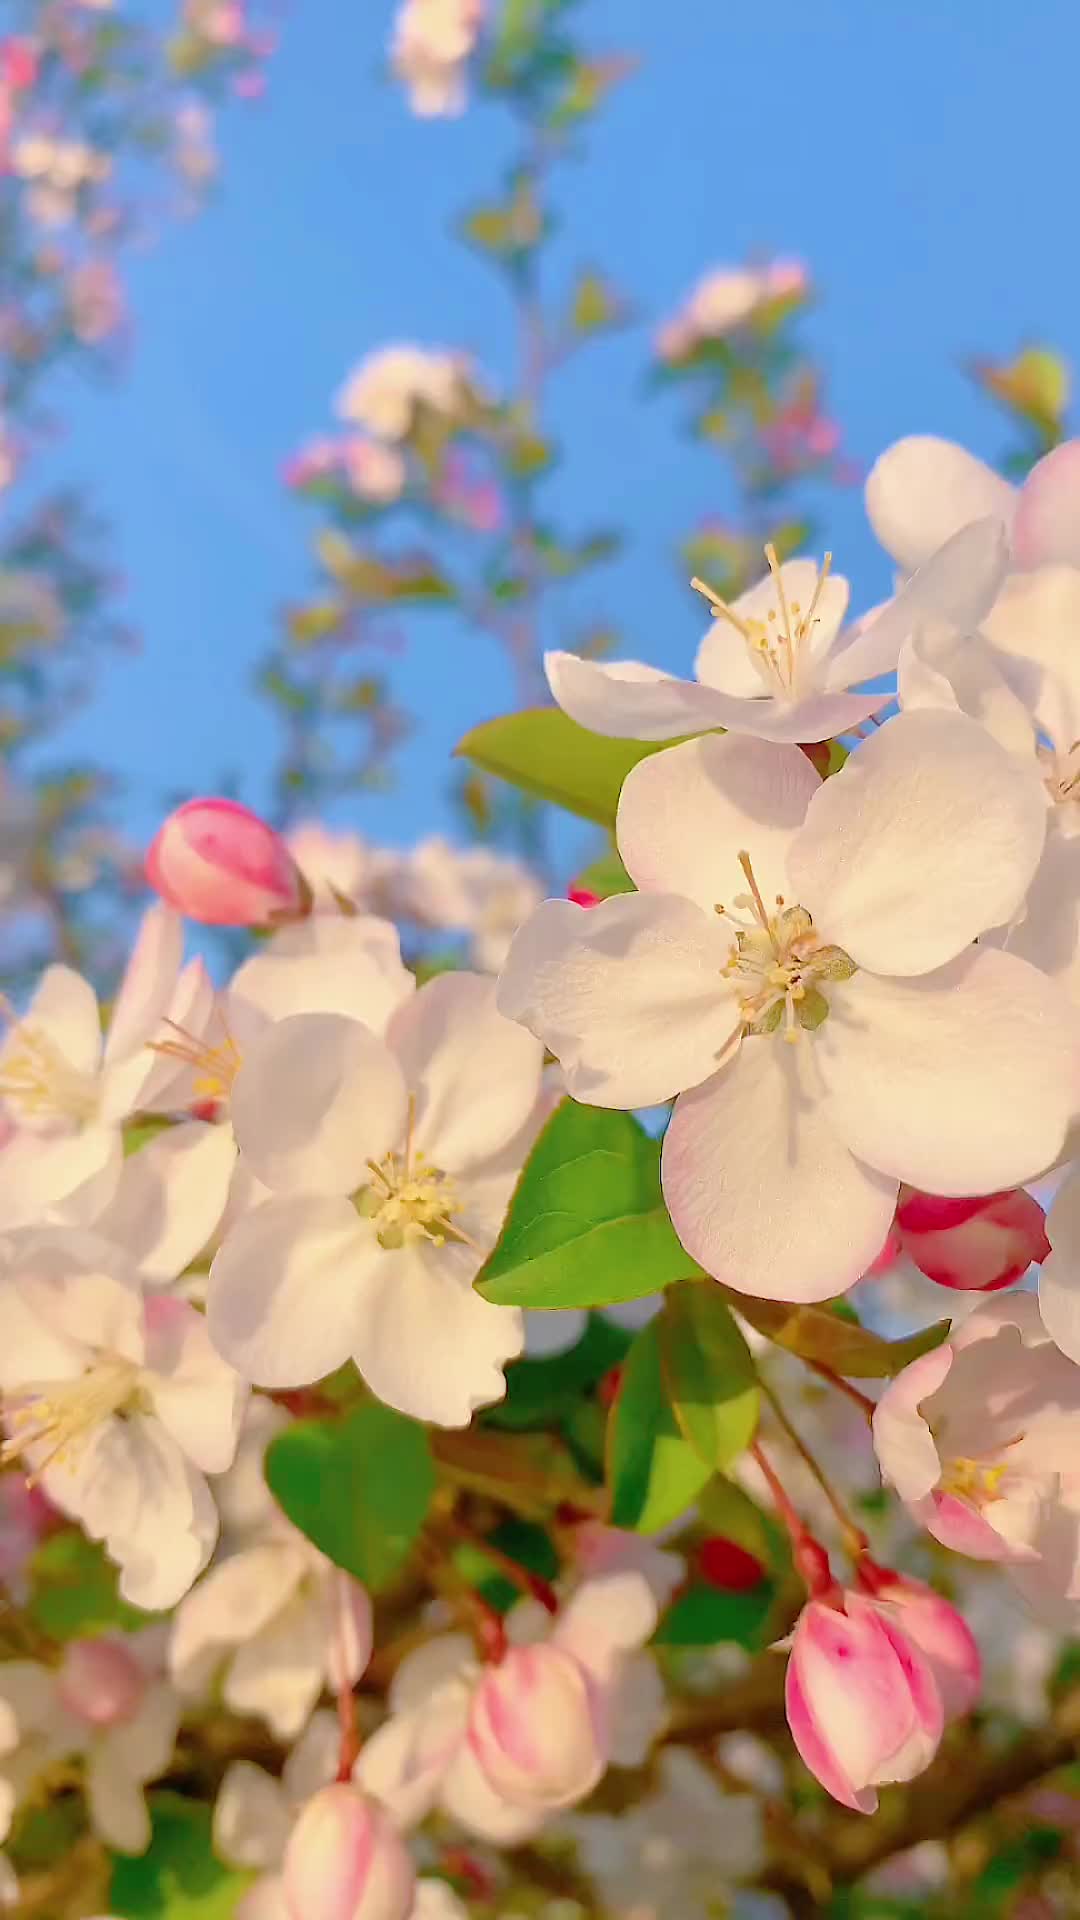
{"x": 425, "y": 1342}
{"x": 469, "y": 1798}
{"x": 171, "y": 1197}
{"x": 65, "y": 1009}
{"x": 904, "y": 1444}
{"x": 1059, "y": 1281}
{"x": 194, "y": 1392}
{"x": 1035, "y": 631}
{"x": 1047, "y": 526}
{"x": 280, "y": 1673}
{"x": 954, "y": 587}
{"x": 83, "y": 1288}
{"x": 960, "y": 1081}
{"x": 629, "y": 996}
{"x": 328, "y": 964}
{"x": 474, "y": 1075}
{"x": 685, "y": 816}
{"x": 251, "y": 1817}
{"x": 761, "y": 1191}
{"x": 73, "y": 1174}
{"x": 283, "y": 1297}
{"x": 922, "y": 490}
{"x": 405, "y": 1761}
{"x": 630, "y": 701}
{"x": 927, "y": 836}
{"x": 116, "y": 1806}
{"x": 148, "y": 985}
{"x": 234, "y": 1602}
{"x": 317, "y": 1097}
{"x": 815, "y": 1752}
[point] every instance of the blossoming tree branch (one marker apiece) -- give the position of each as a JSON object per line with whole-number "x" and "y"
{"x": 553, "y": 1406}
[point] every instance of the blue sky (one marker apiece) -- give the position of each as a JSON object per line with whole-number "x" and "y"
{"x": 919, "y": 156}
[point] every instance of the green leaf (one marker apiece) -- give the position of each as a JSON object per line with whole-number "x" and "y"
{"x": 705, "y": 1617}
{"x": 548, "y": 755}
{"x": 605, "y": 876}
{"x": 73, "y": 1590}
{"x": 179, "y": 1877}
{"x": 725, "y": 1510}
{"x": 653, "y": 1474}
{"x": 815, "y": 1333}
{"x": 709, "y": 1374}
{"x": 587, "y": 1224}
{"x": 358, "y": 1487}
{"x": 540, "y": 1393}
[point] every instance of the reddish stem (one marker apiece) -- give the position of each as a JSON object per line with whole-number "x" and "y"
{"x": 863, "y": 1401}
{"x": 810, "y": 1558}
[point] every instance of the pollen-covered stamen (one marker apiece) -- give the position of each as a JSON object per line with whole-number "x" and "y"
{"x": 60, "y": 1415}
{"x": 779, "y": 964}
{"x": 215, "y": 1065}
{"x": 779, "y": 644}
{"x": 410, "y": 1199}
{"x": 38, "y": 1083}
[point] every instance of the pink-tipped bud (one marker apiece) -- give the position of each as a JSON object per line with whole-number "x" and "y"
{"x": 971, "y": 1245}
{"x": 217, "y": 862}
{"x": 100, "y": 1682}
{"x": 583, "y": 896}
{"x": 534, "y": 1728}
{"x": 862, "y": 1702}
{"x": 344, "y": 1860}
{"x": 941, "y": 1634}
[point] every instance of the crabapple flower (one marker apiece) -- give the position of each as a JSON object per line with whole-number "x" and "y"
{"x": 217, "y": 862}
{"x": 390, "y": 1165}
{"x": 273, "y": 1622}
{"x": 797, "y": 967}
{"x": 777, "y": 662}
{"x": 117, "y": 1404}
{"x": 472, "y": 890}
{"x": 384, "y": 391}
{"x": 342, "y": 865}
{"x": 344, "y": 1860}
{"x": 922, "y": 490}
{"x": 977, "y": 1437}
{"x": 65, "y": 1093}
{"x": 499, "y": 1747}
{"x": 106, "y": 1705}
{"x": 861, "y": 1699}
{"x": 726, "y": 300}
{"x": 430, "y": 51}
{"x": 975, "y": 1244}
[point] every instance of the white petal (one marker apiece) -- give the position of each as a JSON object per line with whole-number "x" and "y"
{"x": 280, "y": 1673}
{"x": 132, "y": 1488}
{"x": 1059, "y": 1279}
{"x": 903, "y": 1441}
{"x": 686, "y": 815}
{"x": 328, "y": 964}
{"x": 317, "y": 1098}
{"x": 148, "y": 984}
{"x": 1048, "y": 934}
{"x": 955, "y": 587}
{"x": 403, "y": 1763}
{"x": 65, "y": 1009}
{"x": 190, "y": 1010}
{"x": 629, "y": 996}
{"x": 761, "y": 1190}
{"x": 1048, "y": 510}
{"x": 40, "y": 1173}
{"x": 930, "y": 834}
{"x": 964, "y": 675}
{"x": 313, "y": 1762}
{"x": 170, "y": 1197}
{"x": 475, "y": 1075}
{"x": 958, "y": 1082}
{"x": 31, "y": 1349}
{"x": 426, "y": 1343}
{"x": 630, "y": 701}
{"x": 922, "y": 490}
{"x": 251, "y": 1817}
{"x": 116, "y": 1806}
{"x": 83, "y": 1287}
{"x": 143, "y": 1746}
{"x": 237, "y": 1599}
{"x": 193, "y": 1391}
{"x": 1035, "y": 631}
{"x": 282, "y": 1298}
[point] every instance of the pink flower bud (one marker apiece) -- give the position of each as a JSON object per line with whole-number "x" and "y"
{"x": 972, "y": 1245}
{"x": 862, "y": 1702}
{"x": 100, "y": 1682}
{"x": 217, "y": 862}
{"x": 583, "y": 896}
{"x": 534, "y": 1728}
{"x": 941, "y": 1634}
{"x": 344, "y": 1860}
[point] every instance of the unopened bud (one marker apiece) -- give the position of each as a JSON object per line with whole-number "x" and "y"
{"x": 534, "y": 1728}
{"x": 344, "y": 1860}
{"x": 217, "y": 862}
